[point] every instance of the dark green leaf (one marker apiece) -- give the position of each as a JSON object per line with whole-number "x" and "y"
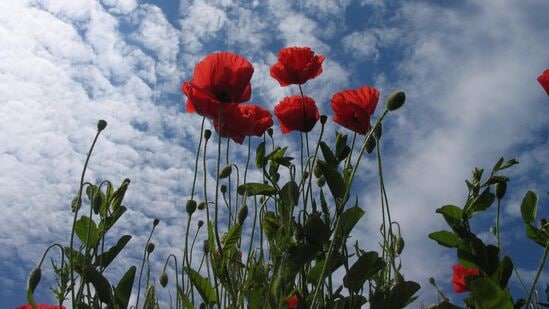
{"x": 106, "y": 224}
{"x": 480, "y": 203}
{"x": 314, "y": 273}
{"x": 203, "y": 286}
{"x": 363, "y": 269}
{"x": 536, "y": 235}
{"x": 118, "y": 195}
{"x": 289, "y": 195}
{"x": 232, "y": 238}
{"x": 329, "y": 156}
{"x": 505, "y": 270}
{"x": 488, "y": 294}
{"x": 496, "y": 179}
{"x": 184, "y": 299}
{"x": 324, "y": 207}
{"x": 317, "y": 232}
{"x": 529, "y": 206}
{"x": 100, "y": 283}
{"x": 84, "y": 225}
{"x": 400, "y": 296}
{"x": 447, "y": 305}
{"x": 253, "y": 188}
{"x": 509, "y": 164}
{"x": 453, "y": 215}
{"x": 333, "y": 178}
{"x": 105, "y": 259}
{"x": 123, "y": 290}
{"x": 445, "y": 238}
{"x": 260, "y": 155}
{"x": 349, "y": 219}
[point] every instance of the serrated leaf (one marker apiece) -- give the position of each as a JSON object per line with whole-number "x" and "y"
{"x": 203, "y": 286}
{"x": 529, "y": 206}
{"x": 86, "y": 230}
{"x": 105, "y": 259}
{"x": 446, "y": 238}
{"x": 100, "y": 283}
{"x": 333, "y": 179}
{"x": 329, "y": 156}
{"x": 123, "y": 290}
{"x": 260, "y": 155}
{"x": 363, "y": 269}
{"x": 255, "y": 188}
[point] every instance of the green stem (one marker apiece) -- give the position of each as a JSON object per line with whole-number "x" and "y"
{"x": 142, "y": 266}
{"x": 538, "y": 273}
{"x": 498, "y": 243}
{"x": 197, "y": 156}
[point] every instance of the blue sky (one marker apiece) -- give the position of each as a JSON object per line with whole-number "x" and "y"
{"x": 469, "y": 70}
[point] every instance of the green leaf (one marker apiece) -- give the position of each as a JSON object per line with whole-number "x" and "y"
{"x": 123, "y": 290}
{"x": 232, "y": 238}
{"x": 505, "y": 270}
{"x": 255, "y": 188}
{"x": 105, "y": 259}
{"x": 400, "y": 296}
{"x": 316, "y": 231}
{"x": 203, "y": 286}
{"x": 480, "y": 203}
{"x": 349, "y": 218}
{"x": 108, "y": 222}
{"x": 529, "y": 207}
{"x": 289, "y": 195}
{"x": 118, "y": 195}
{"x": 260, "y": 155}
{"x": 81, "y": 228}
{"x": 445, "y": 238}
{"x": 453, "y": 215}
{"x": 363, "y": 269}
{"x": 333, "y": 179}
{"x": 508, "y": 164}
{"x": 329, "y": 156}
{"x": 314, "y": 273}
{"x": 184, "y": 299}
{"x": 487, "y": 294}
{"x": 100, "y": 283}
{"x": 536, "y": 235}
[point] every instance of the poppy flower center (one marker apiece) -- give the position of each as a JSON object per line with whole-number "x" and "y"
{"x": 222, "y": 96}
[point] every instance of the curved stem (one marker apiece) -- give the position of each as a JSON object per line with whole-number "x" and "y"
{"x": 142, "y": 266}
{"x": 538, "y": 273}
{"x": 197, "y": 156}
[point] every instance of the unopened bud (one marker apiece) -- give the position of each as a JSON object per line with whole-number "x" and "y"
{"x": 501, "y": 188}
{"x": 190, "y": 207}
{"x": 270, "y": 132}
{"x": 207, "y": 134}
{"x": 101, "y": 125}
{"x": 399, "y": 245}
{"x": 396, "y": 100}
{"x": 432, "y": 281}
{"x": 242, "y": 214}
{"x": 163, "y": 279}
{"x": 97, "y": 201}
{"x": 225, "y": 171}
{"x": 493, "y": 230}
{"x": 200, "y": 223}
{"x": 321, "y": 181}
{"x": 205, "y": 246}
{"x": 34, "y": 279}
{"x": 377, "y": 131}
{"x": 75, "y": 204}
{"x": 156, "y": 221}
{"x": 305, "y": 175}
{"x": 317, "y": 171}
{"x": 223, "y": 189}
{"x": 370, "y": 144}
{"x": 150, "y": 247}
{"x": 323, "y": 119}
{"x": 202, "y": 205}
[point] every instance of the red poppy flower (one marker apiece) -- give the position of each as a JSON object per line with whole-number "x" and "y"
{"x": 218, "y": 79}
{"x": 39, "y": 306}
{"x": 543, "y": 79}
{"x": 296, "y": 65}
{"x": 353, "y": 108}
{"x": 296, "y": 113}
{"x": 292, "y": 301}
{"x": 241, "y": 120}
{"x": 460, "y": 273}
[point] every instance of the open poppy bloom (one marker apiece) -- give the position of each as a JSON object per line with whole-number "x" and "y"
{"x": 543, "y": 79}
{"x": 39, "y": 306}
{"x": 297, "y": 113}
{"x": 296, "y": 65}
{"x": 460, "y": 273}
{"x": 220, "y": 78}
{"x": 353, "y": 108}
{"x": 241, "y": 120}
{"x": 292, "y": 302}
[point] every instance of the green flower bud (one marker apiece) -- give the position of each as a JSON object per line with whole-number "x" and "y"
{"x": 270, "y": 132}
{"x": 396, "y": 100}
{"x": 150, "y": 247}
{"x": 202, "y": 205}
{"x": 323, "y": 119}
{"x": 305, "y": 175}
{"x": 432, "y": 281}
{"x": 225, "y": 171}
{"x": 207, "y": 134}
{"x": 156, "y": 221}
{"x": 101, "y": 125}
{"x": 34, "y": 279}
{"x": 200, "y": 223}
{"x": 97, "y": 201}
{"x": 76, "y": 203}
{"x": 205, "y": 246}
{"x": 370, "y": 144}
{"x": 321, "y": 181}
{"x": 190, "y": 207}
{"x": 317, "y": 171}
{"x": 163, "y": 279}
{"x": 399, "y": 245}
{"x": 242, "y": 214}
{"x": 501, "y": 188}
{"x": 223, "y": 189}
{"x": 377, "y": 131}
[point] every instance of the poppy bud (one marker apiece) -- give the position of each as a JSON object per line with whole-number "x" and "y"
{"x": 190, "y": 207}
{"x": 205, "y": 247}
{"x": 493, "y": 230}
{"x": 207, "y": 134}
{"x": 370, "y": 144}
{"x": 399, "y": 245}
{"x": 377, "y": 131}
{"x": 323, "y": 119}
{"x": 305, "y": 175}
{"x": 75, "y": 204}
{"x": 150, "y": 247}
{"x": 501, "y": 188}
{"x": 34, "y": 279}
{"x": 396, "y": 100}
{"x": 163, "y": 279}
{"x": 200, "y": 223}
{"x": 317, "y": 171}
{"x": 270, "y": 132}
{"x": 242, "y": 214}
{"x": 202, "y": 205}
{"x": 156, "y": 221}
{"x": 223, "y": 189}
{"x": 101, "y": 125}
{"x": 97, "y": 201}
{"x": 225, "y": 171}
{"x": 432, "y": 281}
{"x": 321, "y": 181}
